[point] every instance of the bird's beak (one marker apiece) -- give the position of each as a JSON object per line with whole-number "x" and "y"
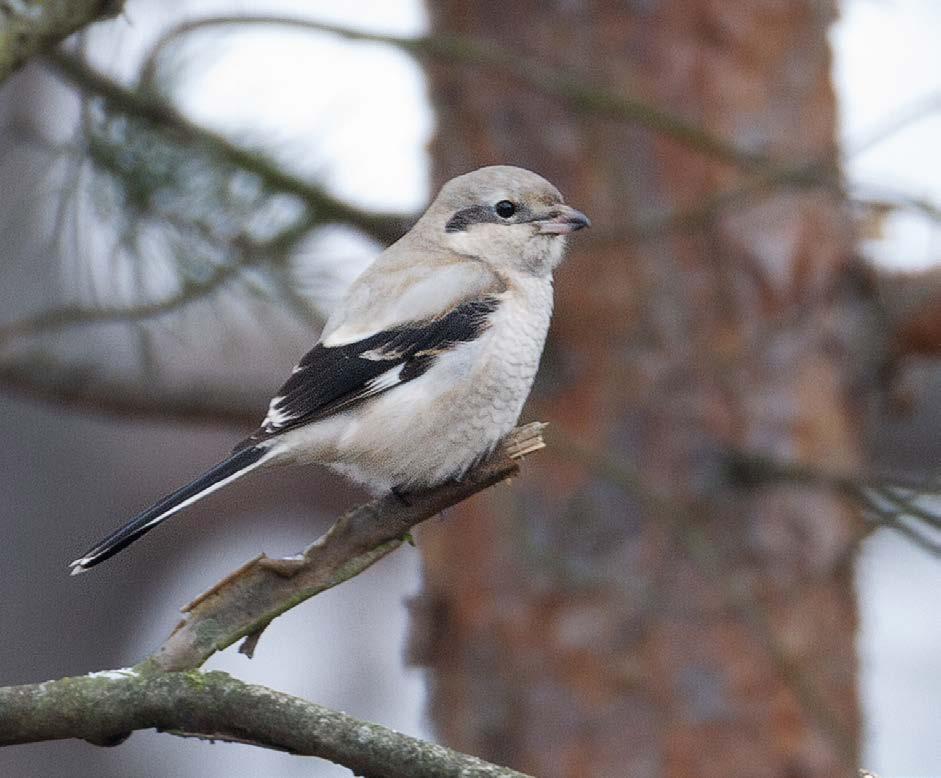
{"x": 561, "y": 221}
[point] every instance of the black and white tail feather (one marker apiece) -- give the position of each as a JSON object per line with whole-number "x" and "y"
{"x": 241, "y": 462}
{"x": 327, "y": 380}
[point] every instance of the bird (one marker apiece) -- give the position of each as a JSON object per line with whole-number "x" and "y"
{"x": 425, "y": 363}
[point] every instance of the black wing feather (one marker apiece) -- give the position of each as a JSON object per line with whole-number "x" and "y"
{"x": 329, "y": 379}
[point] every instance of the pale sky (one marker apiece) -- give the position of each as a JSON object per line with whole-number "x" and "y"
{"x": 888, "y": 59}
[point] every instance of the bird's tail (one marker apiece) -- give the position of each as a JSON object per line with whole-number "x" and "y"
{"x": 237, "y": 465}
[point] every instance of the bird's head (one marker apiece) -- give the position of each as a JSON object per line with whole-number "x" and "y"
{"x": 506, "y": 216}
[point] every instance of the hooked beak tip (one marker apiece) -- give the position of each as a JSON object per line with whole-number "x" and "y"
{"x": 581, "y": 220}
{"x": 564, "y": 221}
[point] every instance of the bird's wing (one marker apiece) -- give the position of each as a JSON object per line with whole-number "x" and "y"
{"x": 396, "y": 289}
{"x": 330, "y": 379}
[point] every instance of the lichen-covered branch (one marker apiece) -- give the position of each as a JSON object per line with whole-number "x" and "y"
{"x": 104, "y": 708}
{"x": 243, "y": 604}
{"x": 167, "y": 691}
{"x": 28, "y": 27}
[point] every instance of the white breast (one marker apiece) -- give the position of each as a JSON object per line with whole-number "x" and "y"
{"x": 435, "y": 427}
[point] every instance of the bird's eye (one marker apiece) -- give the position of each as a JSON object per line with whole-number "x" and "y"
{"x": 505, "y": 209}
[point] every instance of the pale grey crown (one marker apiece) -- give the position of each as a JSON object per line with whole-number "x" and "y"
{"x": 507, "y": 216}
{"x": 490, "y": 185}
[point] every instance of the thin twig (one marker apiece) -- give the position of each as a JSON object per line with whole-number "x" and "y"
{"x": 87, "y": 389}
{"x": 903, "y": 502}
{"x": 27, "y": 29}
{"x": 573, "y": 90}
{"x": 900, "y": 201}
{"x": 878, "y": 516}
{"x": 750, "y": 467}
{"x": 251, "y": 255}
{"x": 243, "y": 604}
{"x": 886, "y": 498}
{"x": 383, "y": 227}
{"x": 823, "y": 171}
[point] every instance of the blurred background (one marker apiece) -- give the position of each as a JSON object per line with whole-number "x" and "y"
{"x": 675, "y": 587}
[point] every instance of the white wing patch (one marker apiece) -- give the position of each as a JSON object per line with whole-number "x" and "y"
{"x": 276, "y": 417}
{"x": 331, "y": 379}
{"x": 388, "y": 379}
{"x": 382, "y": 354}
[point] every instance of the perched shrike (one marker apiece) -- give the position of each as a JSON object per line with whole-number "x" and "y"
{"x": 426, "y": 363}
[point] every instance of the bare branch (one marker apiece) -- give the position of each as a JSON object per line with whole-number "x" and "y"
{"x": 889, "y": 516}
{"x": 85, "y": 388}
{"x": 767, "y": 183}
{"x": 383, "y": 227}
{"x": 572, "y": 90}
{"x": 243, "y": 604}
{"x": 887, "y": 500}
{"x": 905, "y": 502}
{"x": 823, "y": 171}
{"x": 26, "y": 29}
{"x": 889, "y": 203}
{"x": 104, "y": 708}
{"x": 250, "y": 255}
{"x": 754, "y": 468}
{"x": 65, "y": 317}
{"x": 900, "y": 119}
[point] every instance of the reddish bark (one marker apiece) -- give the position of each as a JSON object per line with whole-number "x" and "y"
{"x": 913, "y": 306}
{"x": 574, "y": 624}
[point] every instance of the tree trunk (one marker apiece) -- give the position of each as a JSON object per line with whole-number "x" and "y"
{"x": 627, "y": 608}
